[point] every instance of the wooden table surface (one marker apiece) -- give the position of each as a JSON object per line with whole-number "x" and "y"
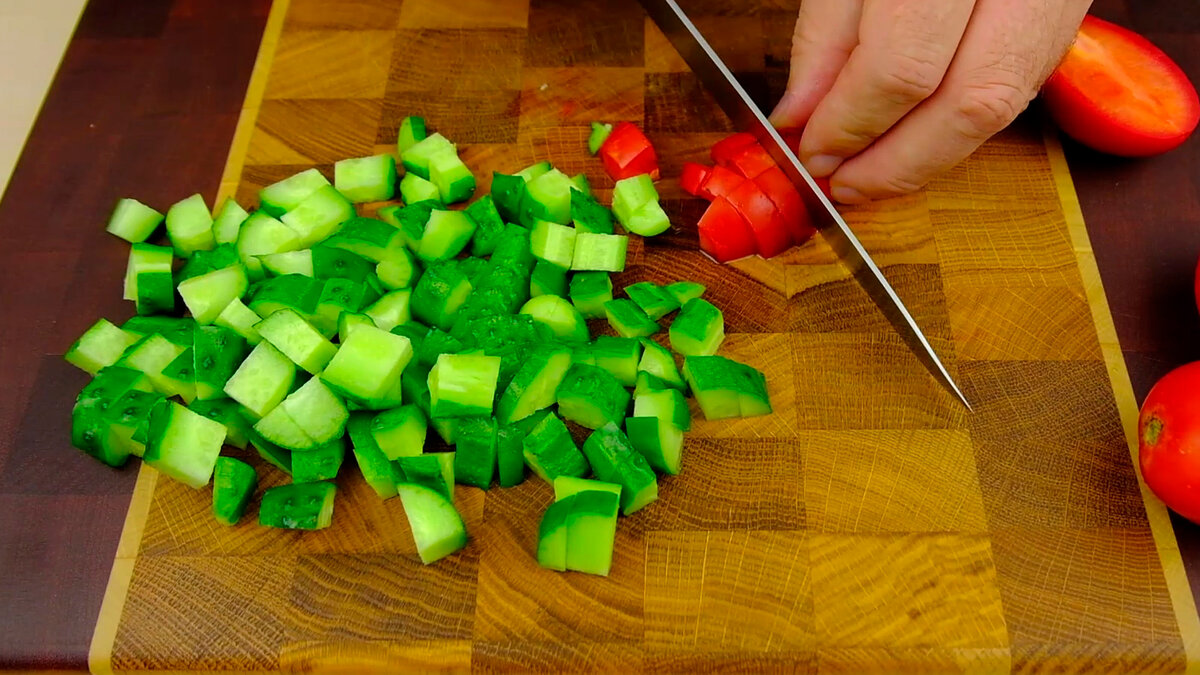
{"x": 166, "y": 78}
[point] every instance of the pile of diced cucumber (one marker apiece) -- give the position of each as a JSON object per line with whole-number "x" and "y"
{"x": 301, "y": 330}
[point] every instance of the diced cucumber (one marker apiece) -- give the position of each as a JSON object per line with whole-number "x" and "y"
{"x": 133, "y": 221}
{"x": 559, "y": 316}
{"x": 397, "y": 269}
{"x": 631, "y": 194}
{"x": 591, "y": 397}
{"x": 216, "y": 353}
{"x": 391, "y": 310}
{"x": 347, "y": 323}
{"x": 535, "y": 385}
{"x": 227, "y": 412}
{"x": 376, "y": 468}
{"x": 228, "y": 222}
{"x": 320, "y": 463}
{"x": 565, "y": 486}
{"x": 400, "y": 432}
{"x": 548, "y": 197}
{"x": 263, "y": 380}
{"x": 110, "y": 384}
{"x": 592, "y": 531}
{"x": 647, "y": 382}
{"x": 600, "y": 132}
{"x": 436, "y": 343}
{"x": 551, "y": 452}
{"x": 152, "y": 355}
{"x": 508, "y": 192}
{"x": 489, "y": 227}
{"x": 240, "y": 319}
{"x": 580, "y": 183}
{"x": 283, "y": 196}
{"x": 434, "y": 471}
{"x": 179, "y": 377}
{"x": 654, "y": 300}
{"x": 99, "y": 346}
{"x": 475, "y": 451}
{"x": 446, "y": 235}
{"x": 660, "y": 362}
{"x": 124, "y": 418}
{"x": 189, "y": 226}
{"x": 203, "y": 262}
{"x": 297, "y": 339}
{"x": 263, "y": 235}
{"x": 368, "y": 363}
{"x": 590, "y": 215}
{"x": 410, "y": 220}
{"x": 298, "y": 506}
{"x": 665, "y": 404}
{"x": 476, "y": 269}
{"x": 683, "y": 291}
{"x": 234, "y": 482}
{"x": 271, "y": 453}
{"x": 320, "y": 414}
{"x": 329, "y": 262}
{"x": 629, "y": 320}
{"x": 614, "y": 460}
{"x": 600, "y": 252}
{"x": 289, "y": 262}
{"x": 619, "y": 356}
{"x": 514, "y": 250}
{"x": 463, "y": 385}
{"x": 319, "y": 215}
{"x": 366, "y": 237}
{"x": 280, "y": 428}
{"x": 207, "y": 295}
{"x": 412, "y": 130}
{"x": 175, "y": 329}
{"x": 438, "y": 529}
{"x": 454, "y": 181}
{"x": 183, "y": 445}
{"x": 145, "y": 258}
{"x": 698, "y": 330}
{"x": 547, "y": 279}
{"x": 416, "y": 157}
{"x": 338, "y": 296}
{"x": 366, "y": 179}
{"x": 414, "y": 189}
{"x": 439, "y": 294}
{"x": 589, "y": 292}
{"x": 155, "y": 293}
{"x": 552, "y": 535}
{"x": 510, "y": 455}
{"x": 534, "y": 170}
{"x": 649, "y": 220}
{"x": 725, "y": 388}
{"x": 553, "y": 243}
{"x": 294, "y": 292}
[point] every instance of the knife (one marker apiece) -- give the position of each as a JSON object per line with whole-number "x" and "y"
{"x": 732, "y": 98}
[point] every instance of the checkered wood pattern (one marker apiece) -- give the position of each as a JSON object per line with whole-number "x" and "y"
{"x": 870, "y": 524}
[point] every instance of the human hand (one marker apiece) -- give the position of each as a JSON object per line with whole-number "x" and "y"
{"x": 892, "y": 93}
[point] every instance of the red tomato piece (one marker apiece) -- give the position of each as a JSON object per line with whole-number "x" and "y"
{"x": 1118, "y": 93}
{"x": 627, "y": 152}
{"x": 751, "y": 161}
{"x": 756, "y": 207}
{"x": 724, "y": 150}
{"x": 720, "y": 183}
{"x": 724, "y": 234}
{"x": 692, "y": 177}
{"x": 788, "y": 202}
{"x": 1169, "y": 440}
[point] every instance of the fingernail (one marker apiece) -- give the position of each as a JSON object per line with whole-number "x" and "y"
{"x": 823, "y": 165}
{"x": 848, "y": 195}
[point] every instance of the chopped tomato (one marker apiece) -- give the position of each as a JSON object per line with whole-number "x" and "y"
{"x": 720, "y": 183}
{"x": 724, "y": 150}
{"x": 1118, "y": 93}
{"x": 756, "y": 207}
{"x": 692, "y": 177}
{"x": 751, "y": 161}
{"x": 788, "y": 202}
{"x": 724, "y": 234}
{"x": 627, "y": 153}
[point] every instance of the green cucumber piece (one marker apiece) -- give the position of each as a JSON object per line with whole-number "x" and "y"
{"x": 397, "y": 270}
{"x": 658, "y": 361}
{"x": 514, "y": 250}
{"x": 99, "y": 346}
{"x": 227, "y": 412}
{"x": 628, "y": 319}
{"x": 366, "y": 179}
{"x": 280, "y": 428}
{"x": 416, "y": 157}
{"x": 376, "y": 469}
{"x": 649, "y": 220}
{"x": 412, "y": 130}
{"x": 234, "y": 482}
{"x": 145, "y": 258}
{"x": 338, "y": 296}
{"x": 262, "y": 381}
{"x": 489, "y": 227}
{"x": 475, "y": 451}
{"x": 207, "y": 295}
{"x": 552, "y": 535}
{"x": 463, "y": 385}
{"x": 179, "y": 377}
{"x": 297, "y": 339}
{"x": 614, "y": 460}
{"x": 434, "y": 471}
{"x": 189, "y": 226}
{"x": 454, "y": 181}
{"x": 698, "y": 330}
{"x": 414, "y": 188}
{"x": 133, "y": 221}
{"x": 410, "y": 220}
{"x": 592, "y": 532}
{"x": 476, "y": 269}
{"x": 439, "y": 294}
{"x": 330, "y": 262}
{"x": 599, "y": 134}
{"x": 726, "y": 388}
{"x": 263, "y": 235}
{"x": 558, "y": 315}
{"x": 289, "y": 262}
{"x": 510, "y": 455}
{"x": 109, "y": 385}
{"x": 508, "y": 193}
{"x": 365, "y": 237}
{"x": 347, "y": 323}
{"x": 203, "y": 262}
{"x": 155, "y": 293}
{"x": 271, "y": 453}
{"x": 446, "y": 235}
{"x": 534, "y": 170}
{"x": 183, "y": 445}
{"x": 591, "y": 397}
{"x": 547, "y": 279}
{"x": 415, "y": 332}
{"x": 550, "y": 451}
{"x": 589, "y": 291}
{"x": 547, "y": 197}
{"x": 648, "y": 382}
{"x": 294, "y": 292}
{"x": 438, "y": 529}
{"x": 319, "y": 215}
{"x": 666, "y": 404}
{"x": 317, "y": 410}
{"x": 240, "y": 319}
{"x": 152, "y": 355}
{"x": 280, "y": 197}
{"x": 659, "y": 441}
{"x": 534, "y": 387}
{"x": 368, "y": 363}
{"x": 683, "y": 291}
{"x": 217, "y": 352}
{"x": 123, "y": 419}
{"x": 298, "y": 506}
{"x": 320, "y": 463}
{"x": 400, "y": 432}
{"x": 631, "y": 194}
{"x": 600, "y": 252}
{"x": 391, "y": 310}
{"x": 566, "y": 486}
{"x": 553, "y": 243}
{"x": 228, "y": 222}
{"x": 177, "y": 330}
{"x": 436, "y": 343}
{"x": 590, "y": 215}
{"x": 580, "y": 183}
{"x": 654, "y": 300}
{"x": 619, "y": 356}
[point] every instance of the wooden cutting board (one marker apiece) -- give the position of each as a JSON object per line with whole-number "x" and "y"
{"x": 870, "y": 524}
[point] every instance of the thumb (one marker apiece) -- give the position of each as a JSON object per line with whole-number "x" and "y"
{"x": 826, "y": 32}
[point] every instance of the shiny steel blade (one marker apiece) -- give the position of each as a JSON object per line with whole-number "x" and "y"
{"x": 732, "y": 98}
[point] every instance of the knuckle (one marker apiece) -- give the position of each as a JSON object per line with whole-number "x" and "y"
{"x": 909, "y": 79}
{"x": 987, "y": 108}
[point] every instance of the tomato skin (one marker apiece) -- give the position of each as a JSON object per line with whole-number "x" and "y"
{"x": 627, "y": 153}
{"x": 721, "y": 182}
{"x": 1169, "y": 440}
{"x": 788, "y": 202}
{"x": 1118, "y": 93}
{"x": 770, "y": 233}
{"x": 692, "y": 177}
{"x": 724, "y": 150}
{"x": 751, "y": 161}
{"x": 724, "y": 234}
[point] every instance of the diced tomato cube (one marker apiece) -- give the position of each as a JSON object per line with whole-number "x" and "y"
{"x": 751, "y": 161}
{"x": 692, "y": 177}
{"x": 724, "y": 234}
{"x": 720, "y": 183}
{"x": 723, "y": 150}
{"x": 627, "y": 153}
{"x": 788, "y": 202}
{"x": 770, "y": 233}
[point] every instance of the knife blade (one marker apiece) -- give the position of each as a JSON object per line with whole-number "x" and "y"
{"x": 745, "y": 114}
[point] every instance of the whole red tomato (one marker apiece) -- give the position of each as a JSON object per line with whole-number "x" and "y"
{"x": 1169, "y": 440}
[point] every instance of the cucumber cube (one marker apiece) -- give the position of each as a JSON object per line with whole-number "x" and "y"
{"x": 534, "y": 170}
{"x": 271, "y": 453}
{"x": 665, "y": 404}
{"x": 489, "y": 227}
{"x": 280, "y": 428}
{"x": 510, "y": 455}
{"x": 592, "y": 531}
{"x": 128, "y": 415}
{"x": 289, "y": 262}
{"x": 446, "y": 235}
{"x": 589, "y": 291}
{"x": 368, "y": 363}
{"x": 133, "y": 221}
{"x": 599, "y": 252}
{"x": 475, "y": 451}
{"x": 698, "y": 330}
{"x": 348, "y": 322}
{"x": 376, "y": 469}
{"x": 179, "y": 377}
{"x": 438, "y": 529}
{"x": 412, "y": 130}
{"x": 508, "y": 192}
{"x": 397, "y": 269}
{"x": 155, "y": 293}
{"x": 581, "y": 184}
{"x": 329, "y": 262}
{"x": 450, "y": 175}
{"x": 217, "y": 353}
{"x": 649, "y": 220}
{"x": 551, "y": 452}
{"x": 227, "y": 412}
{"x": 366, "y": 237}
{"x": 99, "y": 346}
{"x": 321, "y": 463}
{"x": 283, "y": 196}
{"x": 590, "y": 215}
{"x": 552, "y": 535}
{"x": 338, "y": 296}
{"x": 434, "y": 471}
{"x": 297, "y": 339}
{"x": 207, "y": 295}
{"x": 553, "y": 243}
{"x": 725, "y": 388}
{"x": 228, "y": 222}
{"x": 591, "y": 397}
{"x": 631, "y": 194}
{"x": 660, "y": 362}
{"x": 629, "y": 320}
{"x": 558, "y": 315}
{"x": 298, "y": 506}
{"x": 565, "y": 486}
{"x": 416, "y": 157}
{"x": 294, "y": 292}
{"x": 658, "y": 440}
{"x": 400, "y": 432}
{"x": 145, "y": 258}
{"x": 183, "y": 445}
{"x": 415, "y": 189}
{"x": 263, "y": 235}
{"x": 619, "y": 356}
{"x": 391, "y": 310}
{"x": 203, "y": 262}
{"x": 189, "y": 226}
{"x": 547, "y": 279}
{"x": 234, "y": 482}
{"x": 366, "y": 179}
{"x": 319, "y": 215}
{"x": 548, "y": 197}
{"x": 614, "y": 460}
{"x": 152, "y": 355}
{"x": 318, "y": 412}
{"x": 653, "y": 299}
{"x": 599, "y": 134}
{"x": 685, "y": 290}
{"x": 439, "y": 294}
{"x": 262, "y": 381}
{"x": 463, "y": 385}
{"x": 240, "y": 319}
{"x": 535, "y": 384}
{"x": 647, "y": 382}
